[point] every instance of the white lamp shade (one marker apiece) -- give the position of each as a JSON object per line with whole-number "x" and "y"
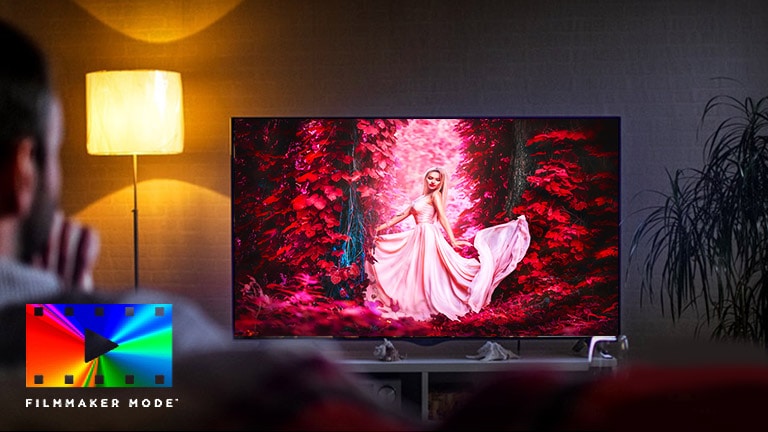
{"x": 134, "y": 112}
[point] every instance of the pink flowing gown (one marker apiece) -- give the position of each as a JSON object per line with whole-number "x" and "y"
{"x": 418, "y": 274}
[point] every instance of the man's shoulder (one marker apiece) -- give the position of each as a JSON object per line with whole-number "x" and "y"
{"x": 20, "y": 283}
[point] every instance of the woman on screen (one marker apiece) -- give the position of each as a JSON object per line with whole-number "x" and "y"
{"x": 418, "y": 273}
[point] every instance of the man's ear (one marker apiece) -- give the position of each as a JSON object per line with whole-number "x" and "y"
{"x": 24, "y": 178}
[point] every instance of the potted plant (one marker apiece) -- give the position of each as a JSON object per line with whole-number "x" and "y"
{"x": 705, "y": 246}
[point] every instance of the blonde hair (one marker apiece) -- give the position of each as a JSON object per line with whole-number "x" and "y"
{"x": 443, "y": 183}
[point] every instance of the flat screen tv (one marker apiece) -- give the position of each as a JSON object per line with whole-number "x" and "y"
{"x": 308, "y": 194}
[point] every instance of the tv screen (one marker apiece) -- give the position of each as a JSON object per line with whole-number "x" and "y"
{"x": 343, "y": 227}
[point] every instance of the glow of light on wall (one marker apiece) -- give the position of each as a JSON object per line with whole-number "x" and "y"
{"x": 158, "y": 21}
{"x": 171, "y": 239}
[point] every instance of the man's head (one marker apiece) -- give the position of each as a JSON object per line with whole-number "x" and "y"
{"x": 30, "y": 137}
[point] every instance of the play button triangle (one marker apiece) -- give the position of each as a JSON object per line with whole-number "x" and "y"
{"x": 96, "y": 345}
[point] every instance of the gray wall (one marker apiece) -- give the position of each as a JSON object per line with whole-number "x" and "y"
{"x": 654, "y": 63}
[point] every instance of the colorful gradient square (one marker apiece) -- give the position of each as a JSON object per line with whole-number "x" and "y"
{"x": 131, "y": 345}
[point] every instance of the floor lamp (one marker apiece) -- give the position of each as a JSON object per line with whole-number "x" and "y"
{"x": 132, "y": 113}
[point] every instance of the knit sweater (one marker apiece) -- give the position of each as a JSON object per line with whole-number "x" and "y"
{"x": 20, "y": 283}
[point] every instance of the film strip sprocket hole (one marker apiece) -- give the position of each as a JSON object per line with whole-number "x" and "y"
{"x": 99, "y": 345}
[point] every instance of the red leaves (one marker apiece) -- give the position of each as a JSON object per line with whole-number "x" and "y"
{"x": 609, "y": 252}
{"x": 311, "y": 156}
{"x": 307, "y": 177}
{"x": 307, "y": 312}
{"x": 271, "y": 200}
{"x": 315, "y": 200}
{"x": 332, "y": 193}
{"x": 563, "y": 180}
{"x": 342, "y": 274}
{"x": 558, "y": 135}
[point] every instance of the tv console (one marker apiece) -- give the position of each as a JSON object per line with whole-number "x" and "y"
{"x": 429, "y": 381}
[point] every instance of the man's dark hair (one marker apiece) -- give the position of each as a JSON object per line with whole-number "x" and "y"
{"x": 25, "y": 92}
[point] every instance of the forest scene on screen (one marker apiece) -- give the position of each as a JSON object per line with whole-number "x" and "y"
{"x": 308, "y": 194}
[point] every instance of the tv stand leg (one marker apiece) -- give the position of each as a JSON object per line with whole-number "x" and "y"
{"x": 596, "y": 344}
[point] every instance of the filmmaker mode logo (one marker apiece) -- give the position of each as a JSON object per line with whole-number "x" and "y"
{"x": 99, "y": 345}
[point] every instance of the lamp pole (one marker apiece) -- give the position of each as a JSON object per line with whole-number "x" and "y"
{"x": 135, "y": 225}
